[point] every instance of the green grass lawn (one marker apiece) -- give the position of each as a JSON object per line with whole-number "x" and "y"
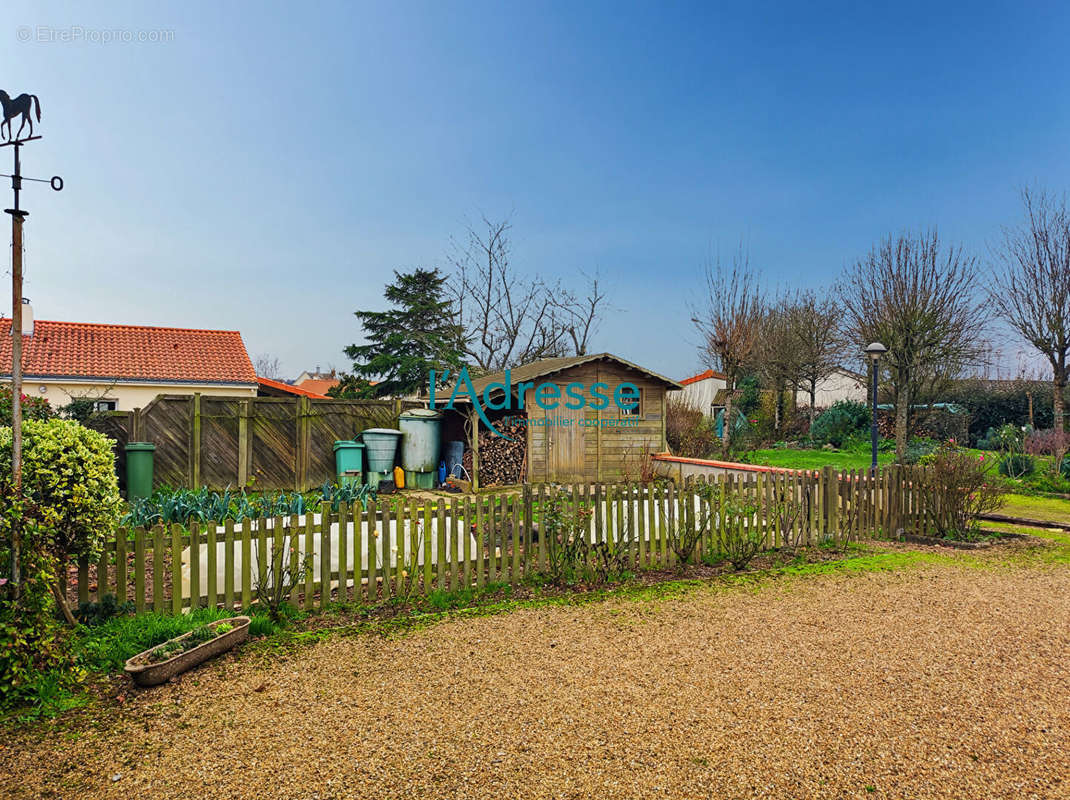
{"x": 1045, "y": 509}
{"x": 815, "y": 459}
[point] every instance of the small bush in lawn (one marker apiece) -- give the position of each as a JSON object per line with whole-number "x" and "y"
{"x": 919, "y": 449}
{"x": 571, "y": 556}
{"x": 739, "y": 540}
{"x": 843, "y": 420}
{"x": 1046, "y": 442}
{"x": 1017, "y": 465}
{"x": 684, "y": 533}
{"x": 964, "y": 490}
{"x": 740, "y": 545}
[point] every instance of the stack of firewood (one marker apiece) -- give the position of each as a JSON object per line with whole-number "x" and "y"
{"x": 501, "y": 462}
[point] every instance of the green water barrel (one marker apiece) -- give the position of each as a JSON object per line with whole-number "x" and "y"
{"x": 380, "y": 447}
{"x": 348, "y": 457}
{"x": 421, "y": 447}
{"x": 139, "y": 465}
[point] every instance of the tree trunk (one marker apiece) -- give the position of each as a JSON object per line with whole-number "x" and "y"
{"x": 61, "y": 601}
{"x": 726, "y": 439}
{"x": 813, "y": 399}
{"x": 779, "y": 409}
{"x": 1059, "y": 422}
{"x": 902, "y": 410}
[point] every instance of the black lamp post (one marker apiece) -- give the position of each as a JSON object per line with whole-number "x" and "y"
{"x": 874, "y": 351}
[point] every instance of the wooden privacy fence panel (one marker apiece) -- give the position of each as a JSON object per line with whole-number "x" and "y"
{"x": 401, "y": 546}
{"x": 267, "y": 443}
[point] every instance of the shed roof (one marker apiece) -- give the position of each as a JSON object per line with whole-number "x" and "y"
{"x": 549, "y": 366}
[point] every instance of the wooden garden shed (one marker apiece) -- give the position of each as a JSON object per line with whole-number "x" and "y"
{"x": 585, "y": 444}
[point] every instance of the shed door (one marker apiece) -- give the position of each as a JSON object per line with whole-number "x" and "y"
{"x": 566, "y": 444}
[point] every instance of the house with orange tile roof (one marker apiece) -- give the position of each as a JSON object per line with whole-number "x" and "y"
{"x": 122, "y": 367}
{"x": 700, "y": 391}
{"x": 318, "y": 382}
{"x": 268, "y": 387}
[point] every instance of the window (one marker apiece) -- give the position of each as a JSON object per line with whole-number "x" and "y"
{"x": 105, "y": 405}
{"x": 635, "y": 409}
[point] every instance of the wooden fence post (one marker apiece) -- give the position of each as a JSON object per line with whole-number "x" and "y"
{"x": 832, "y": 503}
{"x": 195, "y": 442}
{"x": 243, "y": 443}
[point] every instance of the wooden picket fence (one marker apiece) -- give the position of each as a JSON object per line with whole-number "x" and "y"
{"x": 401, "y": 545}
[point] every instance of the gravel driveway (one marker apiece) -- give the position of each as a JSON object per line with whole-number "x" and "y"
{"x": 935, "y": 682}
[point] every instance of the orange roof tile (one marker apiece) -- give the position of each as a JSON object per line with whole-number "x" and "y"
{"x": 318, "y": 385}
{"x": 703, "y": 376}
{"x": 289, "y": 388}
{"x": 129, "y": 353}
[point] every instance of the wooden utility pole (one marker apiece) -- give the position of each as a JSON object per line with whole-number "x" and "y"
{"x": 17, "y": 218}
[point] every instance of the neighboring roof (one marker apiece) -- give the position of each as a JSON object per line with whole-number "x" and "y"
{"x": 850, "y": 373}
{"x": 318, "y": 385}
{"x": 136, "y": 353}
{"x": 548, "y": 366}
{"x": 285, "y": 388}
{"x": 703, "y": 376}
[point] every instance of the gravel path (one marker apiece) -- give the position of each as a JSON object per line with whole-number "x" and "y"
{"x": 937, "y": 682}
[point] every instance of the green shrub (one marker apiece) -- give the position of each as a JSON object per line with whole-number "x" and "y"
{"x": 32, "y": 644}
{"x": 837, "y": 424}
{"x": 964, "y": 488}
{"x": 68, "y": 477}
{"x": 94, "y": 613}
{"x": 32, "y": 407}
{"x": 687, "y": 430}
{"x": 918, "y": 449}
{"x": 1017, "y": 465}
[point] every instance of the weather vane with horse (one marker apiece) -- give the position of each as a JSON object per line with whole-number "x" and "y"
{"x": 20, "y": 106}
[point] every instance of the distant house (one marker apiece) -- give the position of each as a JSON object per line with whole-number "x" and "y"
{"x": 317, "y": 382}
{"x": 842, "y": 384}
{"x": 122, "y": 367}
{"x": 700, "y": 391}
{"x": 268, "y": 387}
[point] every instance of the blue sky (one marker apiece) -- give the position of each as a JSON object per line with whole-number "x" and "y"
{"x": 269, "y": 166}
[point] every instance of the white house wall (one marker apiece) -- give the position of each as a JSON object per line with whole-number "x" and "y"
{"x": 700, "y": 394}
{"x": 128, "y": 396}
{"x": 838, "y": 386}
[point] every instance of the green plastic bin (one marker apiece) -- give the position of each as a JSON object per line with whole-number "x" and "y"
{"x": 348, "y": 458}
{"x": 139, "y": 465}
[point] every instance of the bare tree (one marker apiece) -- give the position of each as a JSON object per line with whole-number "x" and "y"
{"x": 509, "y": 318}
{"x": 728, "y": 322}
{"x": 814, "y": 327}
{"x": 579, "y": 317}
{"x": 917, "y": 298}
{"x": 1031, "y": 289}
{"x": 267, "y": 366}
{"x": 775, "y": 356}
